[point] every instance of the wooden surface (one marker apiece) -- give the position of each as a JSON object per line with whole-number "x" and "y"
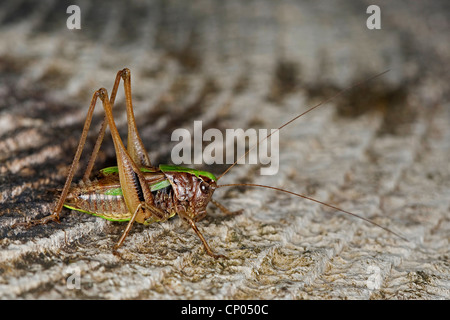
{"x": 381, "y": 150}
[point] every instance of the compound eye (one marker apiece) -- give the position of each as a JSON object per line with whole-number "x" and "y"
{"x": 204, "y": 187}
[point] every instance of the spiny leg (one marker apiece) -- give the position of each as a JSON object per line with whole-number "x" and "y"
{"x": 133, "y": 184}
{"x": 135, "y": 189}
{"x": 155, "y": 211}
{"x": 101, "y": 133}
{"x": 135, "y": 147}
{"x": 205, "y": 244}
{"x": 127, "y": 230}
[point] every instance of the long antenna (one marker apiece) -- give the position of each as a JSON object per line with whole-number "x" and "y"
{"x": 309, "y": 198}
{"x": 300, "y": 115}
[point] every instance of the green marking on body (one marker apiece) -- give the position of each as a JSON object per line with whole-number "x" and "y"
{"x": 147, "y": 222}
{"x": 109, "y": 170}
{"x": 197, "y": 173}
{"x": 165, "y": 168}
{"x": 115, "y": 169}
{"x": 114, "y": 192}
{"x": 159, "y": 185}
{"x": 97, "y": 215}
{"x": 118, "y": 191}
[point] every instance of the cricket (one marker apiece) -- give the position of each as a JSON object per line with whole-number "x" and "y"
{"x": 137, "y": 191}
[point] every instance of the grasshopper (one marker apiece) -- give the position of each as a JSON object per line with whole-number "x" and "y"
{"x": 137, "y": 191}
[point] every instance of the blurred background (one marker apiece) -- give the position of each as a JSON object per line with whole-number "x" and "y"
{"x": 381, "y": 150}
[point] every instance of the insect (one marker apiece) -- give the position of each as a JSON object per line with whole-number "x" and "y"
{"x": 137, "y": 191}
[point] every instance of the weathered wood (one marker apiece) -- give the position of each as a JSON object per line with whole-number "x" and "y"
{"x": 381, "y": 151}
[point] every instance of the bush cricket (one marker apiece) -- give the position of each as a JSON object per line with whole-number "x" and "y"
{"x": 137, "y": 191}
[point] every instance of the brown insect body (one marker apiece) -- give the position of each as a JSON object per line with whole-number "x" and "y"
{"x": 191, "y": 194}
{"x": 187, "y": 195}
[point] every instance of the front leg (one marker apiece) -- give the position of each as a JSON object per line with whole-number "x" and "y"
{"x": 205, "y": 244}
